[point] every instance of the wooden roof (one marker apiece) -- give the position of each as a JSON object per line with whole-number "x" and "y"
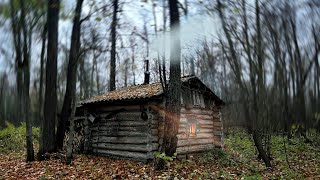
{"x": 138, "y": 92}
{"x": 143, "y": 91}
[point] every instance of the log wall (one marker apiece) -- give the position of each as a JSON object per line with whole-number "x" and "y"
{"x": 125, "y": 135}
{"x": 209, "y": 131}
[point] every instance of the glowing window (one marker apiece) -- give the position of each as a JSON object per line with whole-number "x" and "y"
{"x": 192, "y": 126}
{"x": 192, "y": 129}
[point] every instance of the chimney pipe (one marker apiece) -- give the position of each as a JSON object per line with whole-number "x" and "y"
{"x": 146, "y": 72}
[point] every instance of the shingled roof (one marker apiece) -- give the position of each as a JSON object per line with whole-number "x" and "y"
{"x": 143, "y": 91}
{"x": 138, "y": 92}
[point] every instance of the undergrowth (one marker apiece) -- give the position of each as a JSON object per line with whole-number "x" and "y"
{"x": 13, "y": 139}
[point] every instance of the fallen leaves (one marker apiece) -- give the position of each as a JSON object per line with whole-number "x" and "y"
{"x": 238, "y": 164}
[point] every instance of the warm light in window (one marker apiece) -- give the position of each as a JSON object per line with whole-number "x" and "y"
{"x": 192, "y": 129}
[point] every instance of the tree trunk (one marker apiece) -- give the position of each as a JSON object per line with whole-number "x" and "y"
{"x": 172, "y": 116}
{"x": 42, "y": 60}
{"x": 262, "y": 153}
{"x": 26, "y": 83}
{"x": 50, "y": 103}
{"x": 71, "y": 133}
{"x": 69, "y": 96}
{"x": 112, "y": 84}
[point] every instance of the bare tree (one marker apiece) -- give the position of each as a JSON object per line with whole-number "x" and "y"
{"x": 47, "y": 140}
{"x": 173, "y": 92}
{"x": 70, "y": 94}
{"x": 112, "y": 84}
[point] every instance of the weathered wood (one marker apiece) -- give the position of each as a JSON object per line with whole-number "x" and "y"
{"x": 114, "y": 108}
{"x": 193, "y": 149}
{"x": 126, "y": 154}
{"x": 205, "y": 117}
{"x": 200, "y": 121}
{"x": 124, "y": 133}
{"x": 202, "y": 130}
{"x": 216, "y": 115}
{"x": 217, "y": 124}
{"x": 196, "y": 111}
{"x": 122, "y": 140}
{"x": 121, "y": 123}
{"x": 217, "y": 133}
{"x": 79, "y": 118}
{"x": 183, "y": 136}
{"x": 188, "y": 142}
{"x": 206, "y": 126}
{"x": 142, "y": 128}
{"x": 126, "y": 147}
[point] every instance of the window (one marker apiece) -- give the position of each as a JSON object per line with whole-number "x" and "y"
{"x": 192, "y": 129}
{"x": 192, "y": 126}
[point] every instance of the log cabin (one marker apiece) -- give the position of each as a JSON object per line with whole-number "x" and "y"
{"x": 129, "y": 122}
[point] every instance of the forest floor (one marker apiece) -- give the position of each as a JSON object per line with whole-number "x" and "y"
{"x": 298, "y": 160}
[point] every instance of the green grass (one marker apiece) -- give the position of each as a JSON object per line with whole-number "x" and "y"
{"x": 13, "y": 139}
{"x": 291, "y": 159}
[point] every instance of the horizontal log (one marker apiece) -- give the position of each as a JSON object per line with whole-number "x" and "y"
{"x": 126, "y": 154}
{"x": 121, "y": 128}
{"x": 144, "y": 128}
{"x": 123, "y": 140}
{"x": 122, "y": 123}
{"x": 201, "y": 130}
{"x": 124, "y": 133}
{"x": 126, "y": 147}
{"x": 217, "y": 138}
{"x": 193, "y": 149}
{"x": 217, "y": 133}
{"x": 135, "y": 116}
{"x": 79, "y": 118}
{"x": 201, "y": 126}
{"x": 206, "y": 126}
{"x": 200, "y": 121}
{"x": 114, "y": 108}
{"x": 216, "y": 115}
{"x": 217, "y": 124}
{"x": 190, "y": 142}
{"x": 196, "y": 111}
{"x": 183, "y": 136}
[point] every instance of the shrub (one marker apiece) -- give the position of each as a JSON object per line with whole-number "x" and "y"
{"x": 162, "y": 161}
{"x": 214, "y": 155}
{"x": 13, "y": 139}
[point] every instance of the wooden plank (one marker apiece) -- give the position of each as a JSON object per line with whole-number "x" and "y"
{"x": 196, "y": 111}
{"x": 193, "y": 149}
{"x": 118, "y": 124}
{"x": 188, "y": 142}
{"x": 123, "y": 133}
{"x": 184, "y": 129}
{"x": 206, "y": 126}
{"x": 216, "y": 116}
{"x": 126, "y": 154}
{"x": 126, "y": 147}
{"x": 122, "y": 140}
{"x": 217, "y": 124}
{"x": 205, "y": 122}
{"x": 202, "y": 130}
{"x": 109, "y": 108}
{"x": 120, "y": 128}
{"x": 217, "y": 133}
{"x": 198, "y": 136}
{"x": 204, "y": 117}
{"x": 199, "y": 120}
